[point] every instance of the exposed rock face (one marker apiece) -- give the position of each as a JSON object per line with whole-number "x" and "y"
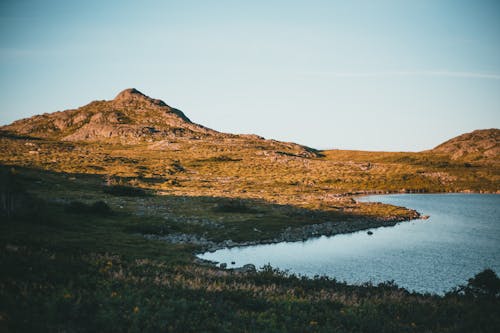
{"x": 135, "y": 99}
{"x": 134, "y": 96}
{"x": 129, "y": 118}
{"x": 480, "y": 144}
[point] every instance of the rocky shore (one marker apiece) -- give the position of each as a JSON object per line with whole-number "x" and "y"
{"x": 287, "y": 235}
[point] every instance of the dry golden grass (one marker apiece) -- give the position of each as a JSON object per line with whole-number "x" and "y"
{"x": 254, "y": 169}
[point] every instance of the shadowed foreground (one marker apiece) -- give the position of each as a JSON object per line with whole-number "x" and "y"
{"x": 83, "y": 267}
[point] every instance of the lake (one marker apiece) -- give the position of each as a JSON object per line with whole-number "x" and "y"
{"x": 460, "y": 239}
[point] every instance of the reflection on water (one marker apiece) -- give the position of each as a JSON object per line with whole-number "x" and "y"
{"x": 461, "y": 238}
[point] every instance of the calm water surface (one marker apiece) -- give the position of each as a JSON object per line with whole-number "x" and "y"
{"x": 460, "y": 239}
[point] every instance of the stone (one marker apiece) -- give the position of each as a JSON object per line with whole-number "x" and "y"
{"x": 248, "y": 268}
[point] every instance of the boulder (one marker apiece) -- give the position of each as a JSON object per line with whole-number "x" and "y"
{"x": 248, "y": 268}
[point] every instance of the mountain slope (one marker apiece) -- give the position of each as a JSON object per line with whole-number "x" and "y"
{"x": 134, "y": 118}
{"x": 476, "y": 145}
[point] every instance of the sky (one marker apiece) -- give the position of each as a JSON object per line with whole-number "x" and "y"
{"x": 399, "y": 75}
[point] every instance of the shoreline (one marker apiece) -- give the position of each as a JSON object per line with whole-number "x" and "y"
{"x": 303, "y": 233}
{"x": 297, "y": 234}
{"x": 368, "y": 193}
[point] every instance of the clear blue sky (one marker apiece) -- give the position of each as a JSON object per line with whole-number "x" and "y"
{"x": 374, "y": 75}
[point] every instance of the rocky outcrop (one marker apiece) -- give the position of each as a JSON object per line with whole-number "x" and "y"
{"x": 133, "y": 96}
{"x": 130, "y": 118}
{"x": 246, "y": 269}
{"x": 180, "y": 238}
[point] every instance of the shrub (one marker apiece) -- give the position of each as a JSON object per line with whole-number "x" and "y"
{"x": 97, "y": 208}
{"x": 221, "y": 158}
{"x": 100, "y": 207}
{"x": 127, "y": 191}
{"x": 15, "y": 202}
{"x": 233, "y": 206}
{"x": 484, "y": 284}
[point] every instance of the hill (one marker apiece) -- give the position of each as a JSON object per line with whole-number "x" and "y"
{"x": 476, "y": 145}
{"x": 132, "y": 118}
{"x": 129, "y": 118}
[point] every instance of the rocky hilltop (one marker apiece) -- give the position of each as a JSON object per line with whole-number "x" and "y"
{"x": 129, "y": 118}
{"x": 476, "y": 145}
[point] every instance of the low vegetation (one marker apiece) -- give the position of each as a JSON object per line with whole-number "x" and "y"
{"x": 97, "y": 208}
{"x": 125, "y": 191}
{"x": 78, "y": 266}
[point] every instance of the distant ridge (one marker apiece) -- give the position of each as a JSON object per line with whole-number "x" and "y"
{"x": 479, "y": 144}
